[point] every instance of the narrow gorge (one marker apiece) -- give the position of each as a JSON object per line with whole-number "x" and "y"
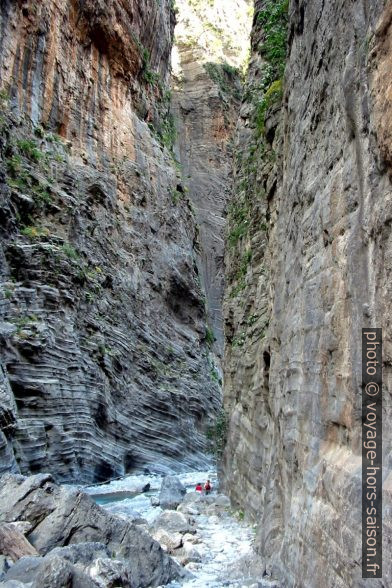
{"x": 195, "y": 205}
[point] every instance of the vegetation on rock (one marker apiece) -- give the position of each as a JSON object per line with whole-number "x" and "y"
{"x": 226, "y": 77}
{"x": 218, "y": 433}
{"x": 273, "y": 19}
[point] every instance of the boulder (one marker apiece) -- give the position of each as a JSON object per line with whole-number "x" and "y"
{"x": 154, "y": 501}
{"x": 173, "y": 522}
{"x": 222, "y": 501}
{"x": 5, "y": 564}
{"x": 192, "y": 566}
{"x": 172, "y": 492}
{"x": 51, "y": 571}
{"x": 194, "y": 497}
{"x": 82, "y": 553}
{"x": 188, "y": 554}
{"x": 64, "y": 517}
{"x": 188, "y": 509}
{"x": 110, "y": 573}
{"x": 25, "y": 569}
{"x": 13, "y": 543}
{"x": 22, "y": 526}
{"x": 190, "y": 538}
{"x": 171, "y": 541}
{"x": 191, "y": 552}
{"x": 56, "y": 572}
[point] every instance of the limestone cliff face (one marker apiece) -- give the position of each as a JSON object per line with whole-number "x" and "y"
{"x": 308, "y": 245}
{"x": 211, "y": 44}
{"x": 104, "y": 364}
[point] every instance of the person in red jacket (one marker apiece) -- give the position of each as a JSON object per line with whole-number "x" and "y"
{"x": 207, "y": 487}
{"x": 199, "y": 487}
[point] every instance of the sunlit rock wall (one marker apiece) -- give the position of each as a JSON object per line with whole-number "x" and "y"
{"x": 209, "y": 57}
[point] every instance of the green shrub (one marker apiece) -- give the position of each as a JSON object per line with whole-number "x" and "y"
{"x": 24, "y": 321}
{"x": 30, "y": 149}
{"x": 239, "y": 340}
{"x": 252, "y": 320}
{"x": 42, "y": 195}
{"x": 225, "y": 76}
{"x": 149, "y": 76}
{"x": 274, "y": 21}
{"x": 53, "y": 138}
{"x": 19, "y": 183}
{"x": 272, "y": 96}
{"x": 176, "y": 196}
{"x": 89, "y": 297}
{"x": 39, "y": 132}
{"x": 34, "y": 232}
{"x": 241, "y": 273}
{"x": 69, "y": 251}
{"x": 214, "y": 374}
{"x": 209, "y": 337}
{"x": 168, "y": 133}
{"x": 237, "y": 233}
{"x": 238, "y": 221}
{"x": 218, "y": 433}
{"x": 14, "y": 164}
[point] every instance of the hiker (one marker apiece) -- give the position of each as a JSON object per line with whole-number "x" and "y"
{"x": 199, "y": 488}
{"x": 207, "y": 487}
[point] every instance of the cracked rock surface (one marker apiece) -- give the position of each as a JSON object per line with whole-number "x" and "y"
{"x": 78, "y": 540}
{"x": 104, "y": 363}
{"x": 312, "y": 215}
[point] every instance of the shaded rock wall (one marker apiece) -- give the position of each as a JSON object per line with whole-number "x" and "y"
{"x": 307, "y": 261}
{"x": 211, "y": 43}
{"x": 104, "y": 363}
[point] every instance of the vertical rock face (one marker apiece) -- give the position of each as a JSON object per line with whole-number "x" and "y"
{"x": 307, "y": 256}
{"x": 104, "y": 363}
{"x": 210, "y": 50}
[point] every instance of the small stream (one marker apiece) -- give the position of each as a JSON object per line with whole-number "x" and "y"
{"x": 225, "y": 541}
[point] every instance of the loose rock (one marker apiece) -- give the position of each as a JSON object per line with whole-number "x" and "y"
{"x": 172, "y": 492}
{"x": 14, "y": 544}
{"x": 61, "y": 516}
{"x": 172, "y": 541}
{"x": 173, "y": 522}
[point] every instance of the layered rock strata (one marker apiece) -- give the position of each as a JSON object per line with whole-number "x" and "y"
{"x": 104, "y": 363}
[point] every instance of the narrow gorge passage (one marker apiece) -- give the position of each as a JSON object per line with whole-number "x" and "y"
{"x": 116, "y": 175}
{"x": 209, "y": 59}
{"x": 195, "y": 241}
{"x": 217, "y": 547}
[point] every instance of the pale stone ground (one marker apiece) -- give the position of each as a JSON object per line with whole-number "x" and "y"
{"x": 218, "y": 552}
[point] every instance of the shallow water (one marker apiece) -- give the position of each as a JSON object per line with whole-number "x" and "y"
{"x": 226, "y": 542}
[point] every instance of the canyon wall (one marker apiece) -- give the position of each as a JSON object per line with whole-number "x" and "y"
{"x": 105, "y": 367}
{"x": 210, "y": 52}
{"x": 308, "y": 249}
